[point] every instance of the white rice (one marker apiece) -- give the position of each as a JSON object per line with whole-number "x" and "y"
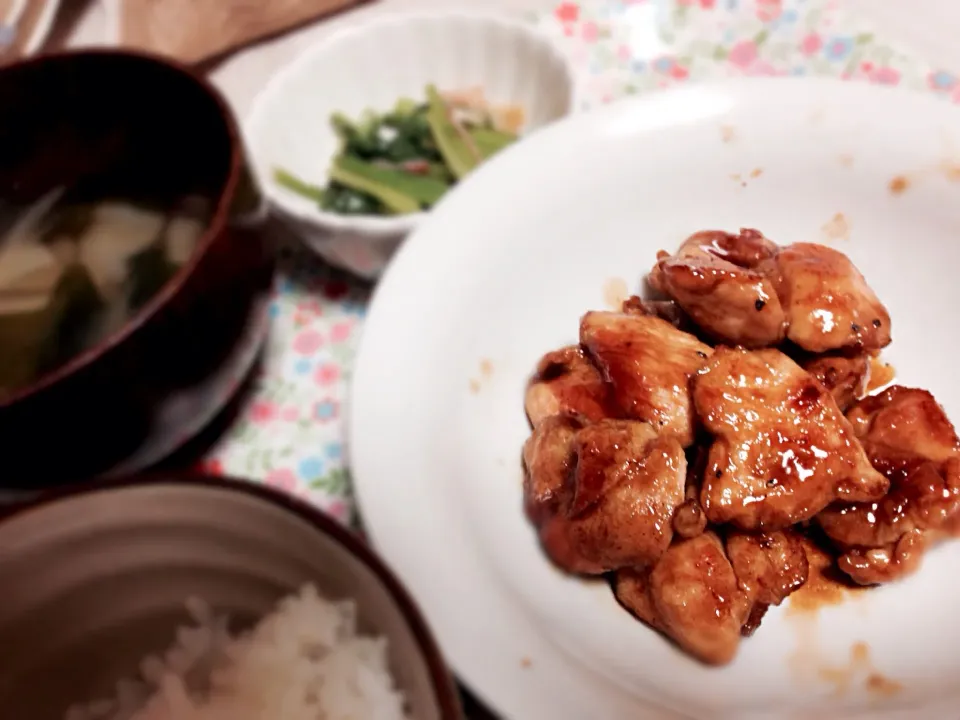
{"x": 304, "y": 661}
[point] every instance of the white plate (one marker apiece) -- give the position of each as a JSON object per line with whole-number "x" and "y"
{"x": 501, "y": 273}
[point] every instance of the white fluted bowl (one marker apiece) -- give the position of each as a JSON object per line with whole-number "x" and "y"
{"x": 371, "y": 66}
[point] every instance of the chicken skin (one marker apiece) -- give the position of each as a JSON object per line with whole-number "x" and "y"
{"x": 648, "y": 364}
{"x": 602, "y": 495}
{"x": 827, "y": 302}
{"x": 566, "y": 381}
{"x": 907, "y": 437}
{"x": 847, "y": 378}
{"x": 713, "y": 279}
{"x": 782, "y": 450}
{"x": 692, "y": 596}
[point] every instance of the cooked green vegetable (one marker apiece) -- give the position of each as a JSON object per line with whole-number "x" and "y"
{"x": 489, "y": 141}
{"x": 422, "y": 188}
{"x": 404, "y": 160}
{"x": 395, "y": 201}
{"x": 312, "y": 192}
{"x": 458, "y": 151}
{"x": 347, "y": 201}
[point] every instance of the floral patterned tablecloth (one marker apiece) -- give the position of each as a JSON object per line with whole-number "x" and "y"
{"x": 289, "y": 429}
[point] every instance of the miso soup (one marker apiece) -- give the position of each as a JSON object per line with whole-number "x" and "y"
{"x": 72, "y": 272}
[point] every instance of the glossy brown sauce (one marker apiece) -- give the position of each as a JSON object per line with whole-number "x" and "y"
{"x": 860, "y": 668}
{"x": 881, "y": 374}
{"x": 899, "y": 184}
{"x": 882, "y": 686}
{"x": 951, "y": 170}
{"x": 804, "y": 661}
{"x": 825, "y": 585}
{"x": 846, "y": 159}
{"x": 843, "y": 677}
{"x": 836, "y": 228}
{"x": 615, "y": 292}
{"x": 486, "y": 370}
{"x": 951, "y": 528}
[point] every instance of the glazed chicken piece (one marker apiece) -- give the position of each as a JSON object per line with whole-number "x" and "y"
{"x": 906, "y": 420}
{"x": 907, "y": 437}
{"x": 875, "y": 566}
{"x": 769, "y": 566}
{"x": 549, "y": 459}
{"x": 847, "y": 378}
{"x": 648, "y": 363}
{"x": 747, "y": 249}
{"x": 782, "y": 450}
{"x": 692, "y": 596}
{"x": 827, "y": 302}
{"x": 713, "y": 279}
{"x": 566, "y": 381}
{"x": 602, "y": 495}
{"x": 664, "y": 309}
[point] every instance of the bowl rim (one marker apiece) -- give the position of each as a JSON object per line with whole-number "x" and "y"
{"x": 441, "y": 679}
{"x": 214, "y": 228}
{"x": 376, "y": 227}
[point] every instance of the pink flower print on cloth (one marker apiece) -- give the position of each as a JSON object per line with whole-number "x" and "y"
{"x": 263, "y": 411}
{"x": 769, "y": 10}
{"x": 811, "y": 44}
{"x": 282, "y": 479}
{"x": 307, "y": 342}
{"x": 340, "y": 332}
{"x": 743, "y": 54}
{"x": 884, "y": 76}
{"x": 567, "y": 12}
{"x": 327, "y": 374}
